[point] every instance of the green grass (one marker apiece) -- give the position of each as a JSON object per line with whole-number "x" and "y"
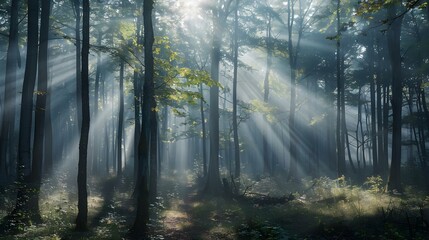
{"x": 322, "y": 209}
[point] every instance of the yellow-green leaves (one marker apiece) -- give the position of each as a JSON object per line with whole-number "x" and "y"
{"x": 267, "y": 110}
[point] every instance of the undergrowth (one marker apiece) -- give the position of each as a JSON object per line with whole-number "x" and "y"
{"x": 321, "y": 208}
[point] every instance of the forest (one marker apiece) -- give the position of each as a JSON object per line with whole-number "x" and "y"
{"x": 214, "y": 119}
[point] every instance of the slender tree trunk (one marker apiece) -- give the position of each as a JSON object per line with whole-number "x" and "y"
{"x": 375, "y": 164}
{"x": 8, "y": 119}
{"x": 204, "y": 137}
{"x": 82, "y": 216}
{"x": 341, "y": 166}
{"x": 394, "y": 45}
{"x": 386, "y": 124}
{"x": 142, "y": 211}
{"x": 292, "y": 64}
{"x": 213, "y": 185}
{"x": 234, "y": 96}
{"x": 48, "y": 150}
{"x": 76, "y": 4}
{"x": 153, "y": 154}
{"x": 42, "y": 91}
{"x": 137, "y": 124}
{"x": 120, "y": 118}
{"x": 22, "y": 209}
{"x": 382, "y": 159}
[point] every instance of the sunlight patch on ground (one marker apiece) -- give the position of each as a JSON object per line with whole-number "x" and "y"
{"x": 176, "y": 220}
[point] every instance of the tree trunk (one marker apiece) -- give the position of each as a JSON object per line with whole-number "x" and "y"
{"x": 42, "y": 91}
{"x": 153, "y": 154}
{"x": 293, "y": 168}
{"x": 82, "y": 216}
{"x": 48, "y": 145}
{"x": 213, "y": 185}
{"x": 394, "y": 45}
{"x": 22, "y": 208}
{"x": 373, "y": 135}
{"x": 76, "y": 4}
{"x": 382, "y": 159}
{"x": 120, "y": 119}
{"x": 204, "y": 137}
{"x": 341, "y": 162}
{"x": 8, "y": 123}
{"x": 234, "y": 96}
{"x": 137, "y": 106}
{"x": 142, "y": 211}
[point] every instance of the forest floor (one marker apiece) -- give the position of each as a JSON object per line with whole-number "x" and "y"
{"x": 320, "y": 209}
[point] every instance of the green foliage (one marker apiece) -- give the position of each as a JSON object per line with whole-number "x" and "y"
{"x": 176, "y": 84}
{"x": 253, "y": 230}
{"x": 375, "y": 184}
{"x": 267, "y": 110}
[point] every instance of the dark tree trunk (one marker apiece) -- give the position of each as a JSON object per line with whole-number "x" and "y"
{"x": 153, "y": 154}
{"x": 382, "y": 159}
{"x": 23, "y": 209}
{"x": 373, "y": 135}
{"x": 204, "y": 137}
{"x": 42, "y": 91}
{"x": 293, "y": 151}
{"x": 121, "y": 118}
{"x": 341, "y": 162}
{"x": 142, "y": 211}
{"x": 76, "y": 4}
{"x": 394, "y": 45}
{"x": 137, "y": 106}
{"x": 82, "y": 216}
{"x": 213, "y": 185}
{"x": 48, "y": 150}
{"x": 234, "y": 96}
{"x": 8, "y": 119}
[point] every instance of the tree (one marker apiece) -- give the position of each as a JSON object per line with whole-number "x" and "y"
{"x": 121, "y": 118}
{"x": 76, "y": 4}
{"x": 340, "y": 133}
{"x": 22, "y": 208}
{"x": 394, "y": 48}
{"x": 8, "y": 122}
{"x": 82, "y": 216}
{"x": 142, "y": 212}
{"x": 42, "y": 90}
{"x": 219, "y": 11}
{"x": 234, "y": 95}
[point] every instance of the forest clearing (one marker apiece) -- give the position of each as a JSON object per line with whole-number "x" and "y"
{"x": 214, "y": 119}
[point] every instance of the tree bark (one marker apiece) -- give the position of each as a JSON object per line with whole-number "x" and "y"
{"x": 375, "y": 165}
{"x": 394, "y": 46}
{"x": 121, "y": 118}
{"x": 293, "y": 168}
{"x": 203, "y": 129}
{"x": 82, "y": 216}
{"x": 8, "y": 119}
{"x": 153, "y": 154}
{"x": 76, "y": 4}
{"x": 142, "y": 213}
{"x": 42, "y": 91}
{"x": 341, "y": 162}
{"x": 213, "y": 185}
{"x": 234, "y": 95}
